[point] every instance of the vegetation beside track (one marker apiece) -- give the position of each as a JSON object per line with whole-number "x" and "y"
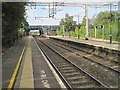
{"x": 102, "y": 18}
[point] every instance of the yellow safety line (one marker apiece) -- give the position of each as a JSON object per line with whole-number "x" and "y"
{"x": 115, "y": 66}
{"x": 16, "y": 69}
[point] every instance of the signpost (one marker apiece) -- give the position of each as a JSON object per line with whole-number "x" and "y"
{"x": 99, "y": 27}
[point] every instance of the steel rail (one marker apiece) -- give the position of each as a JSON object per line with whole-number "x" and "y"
{"x": 76, "y": 66}
{"x": 65, "y": 81}
{"x": 87, "y": 57}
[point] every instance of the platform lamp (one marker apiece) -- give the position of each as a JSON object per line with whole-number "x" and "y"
{"x": 110, "y": 26}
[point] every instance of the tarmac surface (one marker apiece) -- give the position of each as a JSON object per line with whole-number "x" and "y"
{"x": 9, "y": 61}
{"x": 34, "y": 70}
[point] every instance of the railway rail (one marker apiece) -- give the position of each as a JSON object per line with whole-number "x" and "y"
{"x": 105, "y": 74}
{"x": 98, "y": 60}
{"x": 73, "y": 75}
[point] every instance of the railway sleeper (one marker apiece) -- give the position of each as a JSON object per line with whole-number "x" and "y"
{"x": 77, "y": 77}
{"x": 69, "y": 71}
{"x": 83, "y": 84}
{"x": 88, "y": 86}
{"x": 64, "y": 65}
{"x": 66, "y": 68}
{"x": 81, "y": 78}
{"x": 72, "y": 74}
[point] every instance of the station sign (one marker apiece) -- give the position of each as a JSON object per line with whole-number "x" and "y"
{"x": 99, "y": 27}
{"x": 109, "y": 25}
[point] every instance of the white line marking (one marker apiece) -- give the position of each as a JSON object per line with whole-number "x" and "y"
{"x": 45, "y": 83}
{"x": 44, "y": 80}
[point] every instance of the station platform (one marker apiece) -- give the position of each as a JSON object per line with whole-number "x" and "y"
{"x": 10, "y": 59}
{"x": 92, "y": 41}
{"x": 32, "y": 70}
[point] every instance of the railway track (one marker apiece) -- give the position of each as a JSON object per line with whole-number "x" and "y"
{"x": 89, "y": 51}
{"x": 106, "y": 75}
{"x": 73, "y": 75}
{"x": 107, "y": 64}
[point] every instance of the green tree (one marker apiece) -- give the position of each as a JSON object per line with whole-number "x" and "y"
{"x": 84, "y": 22}
{"x": 12, "y": 19}
{"x": 105, "y": 17}
{"x": 68, "y": 23}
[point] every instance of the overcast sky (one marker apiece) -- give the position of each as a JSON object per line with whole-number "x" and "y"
{"x": 38, "y": 12}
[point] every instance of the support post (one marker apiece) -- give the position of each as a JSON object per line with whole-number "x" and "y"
{"x": 86, "y": 16}
{"x": 78, "y": 19}
{"x": 110, "y": 23}
{"x": 63, "y": 30}
{"x": 103, "y": 32}
{"x": 95, "y": 32}
{"x": 49, "y": 9}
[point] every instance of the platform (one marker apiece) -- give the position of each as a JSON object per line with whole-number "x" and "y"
{"x": 95, "y": 42}
{"x": 35, "y": 72}
{"x": 10, "y": 59}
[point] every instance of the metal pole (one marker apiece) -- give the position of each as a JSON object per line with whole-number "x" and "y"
{"x": 103, "y": 32}
{"x": 78, "y": 19}
{"x": 78, "y": 34}
{"x": 49, "y": 9}
{"x": 78, "y": 29}
{"x": 86, "y": 15}
{"x": 53, "y": 11}
{"x": 95, "y": 32}
{"x": 110, "y": 24}
{"x": 63, "y": 30}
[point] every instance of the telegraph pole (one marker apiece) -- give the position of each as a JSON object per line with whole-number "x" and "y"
{"x": 86, "y": 17}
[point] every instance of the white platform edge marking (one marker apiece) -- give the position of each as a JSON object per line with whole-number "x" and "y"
{"x": 51, "y": 68}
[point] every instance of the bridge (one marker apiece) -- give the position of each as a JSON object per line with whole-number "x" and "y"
{"x": 39, "y": 27}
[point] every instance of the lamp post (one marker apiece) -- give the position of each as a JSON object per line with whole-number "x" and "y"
{"x": 78, "y": 18}
{"x": 110, "y": 23}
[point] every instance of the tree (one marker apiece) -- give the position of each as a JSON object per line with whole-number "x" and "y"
{"x": 68, "y": 23}
{"x": 12, "y": 18}
{"x": 84, "y": 22}
{"x": 105, "y": 17}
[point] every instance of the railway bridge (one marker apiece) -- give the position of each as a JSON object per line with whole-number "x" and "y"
{"x": 42, "y": 28}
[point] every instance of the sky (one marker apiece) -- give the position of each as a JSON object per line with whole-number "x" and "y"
{"x": 40, "y": 11}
